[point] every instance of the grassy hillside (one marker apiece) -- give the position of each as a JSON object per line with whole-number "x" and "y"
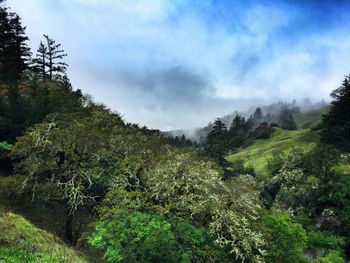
{"x": 281, "y": 141}
{"x": 309, "y": 119}
{"x": 20, "y": 241}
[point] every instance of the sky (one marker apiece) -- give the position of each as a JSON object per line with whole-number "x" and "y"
{"x": 171, "y": 64}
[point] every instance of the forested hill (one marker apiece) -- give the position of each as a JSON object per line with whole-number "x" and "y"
{"x": 287, "y": 115}
{"x": 80, "y": 184}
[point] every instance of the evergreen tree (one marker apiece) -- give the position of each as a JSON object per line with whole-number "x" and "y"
{"x": 216, "y": 145}
{"x": 258, "y": 114}
{"x": 237, "y": 124}
{"x": 249, "y": 124}
{"x": 14, "y": 51}
{"x": 183, "y": 140}
{"x": 48, "y": 61}
{"x": 40, "y": 61}
{"x": 336, "y": 124}
{"x": 19, "y": 53}
{"x": 177, "y": 141}
{"x": 54, "y": 53}
{"x": 238, "y": 131}
{"x": 4, "y": 35}
{"x": 286, "y": 120}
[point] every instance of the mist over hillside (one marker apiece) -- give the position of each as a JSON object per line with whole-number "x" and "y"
{"x": 270, "y": 111}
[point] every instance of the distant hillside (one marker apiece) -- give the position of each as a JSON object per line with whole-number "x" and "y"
{"x": 310, "y": 119}
{"x": 281, "y": 141}
{"x": 305, "y": 115}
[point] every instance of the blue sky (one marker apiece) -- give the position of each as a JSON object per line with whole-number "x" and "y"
{"x": 174, "y": 64}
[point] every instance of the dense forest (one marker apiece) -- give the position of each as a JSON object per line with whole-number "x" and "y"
{"x": 80, "y": 184}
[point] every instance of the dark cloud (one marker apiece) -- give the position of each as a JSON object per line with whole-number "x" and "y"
{"x": 171, "y": 87}
{"x": 162, "y": 89}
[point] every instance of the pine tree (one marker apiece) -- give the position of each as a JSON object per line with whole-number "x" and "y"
{"x": 286, "y": 120}
{"x": 336, "y": 124}
{"x": 237, "y": 124}
{"x": 14, "y": 51}
{"x": 20, "y": 53}
{"x": 217, "y": 145}
{"x": 258, "y": 114}
{"x": 238, "y": 131}
{"x": 54, "y": 53}
{"x": 48, "y": 62}
{"x": 40, "y": 61}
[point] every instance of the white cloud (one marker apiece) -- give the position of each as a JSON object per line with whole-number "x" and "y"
{"x": 244, "y": 61}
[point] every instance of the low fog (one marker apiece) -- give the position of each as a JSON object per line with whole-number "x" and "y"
{"x": 270, "y": 113}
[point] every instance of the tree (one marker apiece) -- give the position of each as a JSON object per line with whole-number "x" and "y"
{"x": 238, "y": 131}
{"x": 17, "y": 111}
{"x": 14, "y": 51}
{"x": 30, "y": 101}
{"x": 216, "y": 145}
{"x": 286, "y": 121}
{"x": 258, "y": 114}
{"x": 48, "y": 61}
{"x": 237, "y": 125}
{"x": 40, "y": 61}
{"x": 336, "y": 124}
{"x": 145, "y": 237}
{"x": 19, "y": 53}
{"x": 61, "y": 155}
{"x": 55, "y": 69}
{"x": 180, "y": 184}
{"x": 287, "y": 239}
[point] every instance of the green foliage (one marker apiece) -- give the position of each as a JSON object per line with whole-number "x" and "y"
{"x": 49, "y": 97}
{"x": 145, "y": 237}
{"x": 180, "y": 184}
{"x": 332, "y": 257}
{"x": 325, "y": 240}
{"x": 136, "y": 237}
{"x": 275, "y": 163}
{"x": 188, "y": 185}
{"x": 198, "y": 243}
{"x": 30, "y": 102}
{"x": 62, "y": 155}
{"x": 287, "y": 239}
{"x": 5, "y": 149}
{"x": 330, "y": 198}
{"x": 237, "y": 168}
{"x": 317, "y": 182}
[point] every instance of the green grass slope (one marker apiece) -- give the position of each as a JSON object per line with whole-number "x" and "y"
{"x": 23, "y": 242}
{"x": 310, "y": 119}
{"x": 20, "y": 241}
{"x": 281, "y": 141}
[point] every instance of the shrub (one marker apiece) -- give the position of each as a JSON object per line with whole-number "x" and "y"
{"x": 287, "y": 239}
